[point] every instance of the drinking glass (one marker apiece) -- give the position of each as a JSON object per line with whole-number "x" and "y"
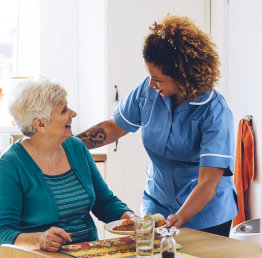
{"x": 144, "y": 233}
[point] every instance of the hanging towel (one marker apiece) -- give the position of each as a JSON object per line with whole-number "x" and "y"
{"x": 244, "y": 167}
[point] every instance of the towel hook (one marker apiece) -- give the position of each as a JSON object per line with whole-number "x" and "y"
{"x": 249, "y": 118}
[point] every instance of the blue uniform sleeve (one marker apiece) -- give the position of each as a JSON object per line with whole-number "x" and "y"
{"x": 128, "y": 110}
{"x": 217, "y": 147}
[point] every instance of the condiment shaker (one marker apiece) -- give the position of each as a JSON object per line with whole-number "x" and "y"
{"x": 168, "y": 243}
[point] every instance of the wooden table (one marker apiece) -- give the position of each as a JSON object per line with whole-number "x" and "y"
{"x": 205, "y": 245}
{"x": 99, "y": 157}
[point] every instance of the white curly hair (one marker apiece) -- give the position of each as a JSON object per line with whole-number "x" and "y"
{"x": 34, "y": 98}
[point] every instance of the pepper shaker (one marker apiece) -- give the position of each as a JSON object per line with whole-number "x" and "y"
{"x": 168, "y": 243}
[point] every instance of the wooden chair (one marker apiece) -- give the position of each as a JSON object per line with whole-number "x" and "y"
{"x": 13, "y": 251}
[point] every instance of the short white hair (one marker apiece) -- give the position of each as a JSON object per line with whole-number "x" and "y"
{"x": 34, "y": 98}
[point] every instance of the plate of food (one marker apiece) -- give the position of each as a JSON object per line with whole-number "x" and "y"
{"x": 126, "y": 226}
{"x": 121, "y": 227}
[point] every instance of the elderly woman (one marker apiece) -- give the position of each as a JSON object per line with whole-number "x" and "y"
{"x": 49, "y": 182}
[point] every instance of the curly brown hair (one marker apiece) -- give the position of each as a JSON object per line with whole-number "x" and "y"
{"x": 184, "y": 52}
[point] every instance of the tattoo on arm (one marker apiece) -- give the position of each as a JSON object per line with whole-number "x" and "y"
{"x": 93, "y": 137}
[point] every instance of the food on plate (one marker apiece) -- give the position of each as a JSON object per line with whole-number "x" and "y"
{"x": 160, "y": 223}
{"x": 158, "y": 218}
{"x": 129, "y": 225}
{"x": 126, "y": 225}
{"x": 155, "y": 217}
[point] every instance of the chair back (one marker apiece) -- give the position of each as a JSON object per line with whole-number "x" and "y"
{"x": 13, "y": 251}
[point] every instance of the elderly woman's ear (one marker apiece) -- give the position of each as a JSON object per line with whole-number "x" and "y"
{"x": 39, "y": 123}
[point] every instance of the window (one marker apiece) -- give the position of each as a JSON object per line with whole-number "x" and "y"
{"x": 19, "y": 48}
{"x": 64, "y": 41}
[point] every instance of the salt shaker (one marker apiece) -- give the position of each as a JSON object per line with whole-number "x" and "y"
{"x": 168, "y": 243}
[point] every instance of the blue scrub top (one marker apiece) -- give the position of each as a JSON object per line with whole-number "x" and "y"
{"x": 197, "y": 133}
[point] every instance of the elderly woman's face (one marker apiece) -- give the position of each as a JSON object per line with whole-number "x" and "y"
{"x": 60, "y": 122}
{"x": 163, "y": 84}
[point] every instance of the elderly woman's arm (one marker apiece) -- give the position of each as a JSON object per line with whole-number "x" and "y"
{"x": 107, "y": 206}
{"x": 12, "y": 206}
{"x": 50, "y": 240}
{"x": 11, "y": 203}
{"x": 129, "y": 215}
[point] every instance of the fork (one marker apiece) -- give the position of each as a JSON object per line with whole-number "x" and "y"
{"x": 80, "y": 232}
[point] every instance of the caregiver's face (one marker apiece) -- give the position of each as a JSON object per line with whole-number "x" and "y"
{"x": 163, "y": 84}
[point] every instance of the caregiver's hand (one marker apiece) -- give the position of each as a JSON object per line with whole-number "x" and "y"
{"x": 52, "y": 239}
{"x": 205, "y": 190}
{"x": 175, "y": 220}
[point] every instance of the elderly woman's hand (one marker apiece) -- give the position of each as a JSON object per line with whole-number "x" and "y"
{"x": 129, "y": 215}
{"x": 52, "y": 239}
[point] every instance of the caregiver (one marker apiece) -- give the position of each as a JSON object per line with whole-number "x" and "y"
{"x": 187, "y": 129}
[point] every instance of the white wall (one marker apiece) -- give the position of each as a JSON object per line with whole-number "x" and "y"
{"x": 72, "y": 52}
{"x": 91, "y": 52}
{"x": 28, "y": 31}
{"x": 245, "y": 79}
{"x": 242, "y": 83}
{"x": 219, "y": 31}
{"x": 59, "y": 46}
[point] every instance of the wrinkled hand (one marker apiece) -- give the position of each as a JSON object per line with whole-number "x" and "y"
{"x": 52, "y": 239}
{"x": 129, "y": 215}
{"x": 175, "y": 220}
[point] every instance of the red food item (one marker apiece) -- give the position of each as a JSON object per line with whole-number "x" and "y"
{"x": 129, "y": 225}
{"x": 128, "y": 222}
{"x": 160, "y": 223}
{"x": 126, "y": 225}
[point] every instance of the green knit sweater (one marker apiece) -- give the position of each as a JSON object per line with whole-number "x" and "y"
{"x": 28, "y": 205}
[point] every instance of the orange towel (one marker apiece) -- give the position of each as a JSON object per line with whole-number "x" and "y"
{"x": 244, "y": 167}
